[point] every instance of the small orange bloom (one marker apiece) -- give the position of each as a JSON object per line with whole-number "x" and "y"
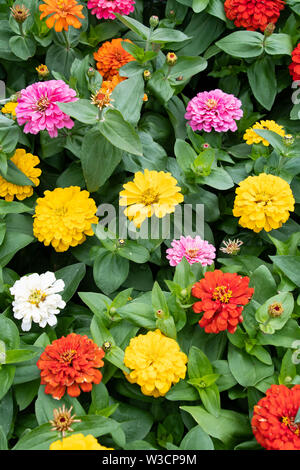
{"x": 111, "y": 56}
{"x": 71, "y": 363}
{"x": 64, "y": 13}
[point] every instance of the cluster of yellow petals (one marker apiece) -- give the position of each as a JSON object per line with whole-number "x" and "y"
{"x": 64, "y": 13}
{"x": 157, "y": 363}
{"x": 263, "y": 202}
{"x": 78, "y": 442}
{"x": 10, "y": 108}
{"x": 151, "y": 192}
{"x": 26, "y": 162}
{"x": 63, "y": 217}
{"x": 251, "y": 137}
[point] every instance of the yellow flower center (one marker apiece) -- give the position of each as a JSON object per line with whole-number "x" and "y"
{"x": 290, "y": 423}
{"x": 61, "y": 211}
{"x": 222, "y": 293}
{"x": 211, "y": 103}
{"x": 101, "y": 98}
{"x": 36, "y": 297}
{"x": 42, "y": 104}
{"x": 68, "y": 356}
{"x": 150, "y": 196}
{"x": 192, "y": 252}
{"x": 262, "y": 199}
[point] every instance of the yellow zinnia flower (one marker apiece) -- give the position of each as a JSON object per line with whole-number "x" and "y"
{"x": 78, "y": 442}
{"x": 157, "y": 363}
{"x": 26, "y": 162}
{"x": 151, "y": 192}
{"x": 64, "y": 217}
{"x": 10, "y": 108}
{"x": 263, "y": 202}
{"x": 251, "y": 137}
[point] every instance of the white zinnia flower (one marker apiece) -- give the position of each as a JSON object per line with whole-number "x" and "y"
{"x": 36, "y": 299}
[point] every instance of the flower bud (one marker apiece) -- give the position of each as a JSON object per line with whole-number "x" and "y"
{"x": 160, "y": 313}
{"x": 42, "y": 71}
{"x": 20, "y": 13}
{"x": 275, "y": 310}
{"x": 288, "y": 139}
{"x": 121, "y": 241}
{"x": 106, "y": 346}
{"x": 147, "y": 75}
{"x": 113, "y": 310}
{"x": 91, "y": 72}
{"x": 179, "y": 79}
{"x": 154, "y": 20}
{"x": 270, "y": 28}
{"x": 184, "y": 292}
{"x": 171, "y": 58}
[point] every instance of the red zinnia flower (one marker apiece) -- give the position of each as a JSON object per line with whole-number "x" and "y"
{"x": 222, "y": 296}
{"x": 273, "y": 421}
{"x": 253, "y": 14}
{"x": 295, "y": 65}
{"x": 70, "y": 363}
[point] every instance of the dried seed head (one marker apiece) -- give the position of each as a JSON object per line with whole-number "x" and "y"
{"x": 63, "y": 420}
{"x": 20, "y": 13}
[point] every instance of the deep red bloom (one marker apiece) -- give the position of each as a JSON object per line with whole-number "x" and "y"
{"x": 222, "y": 297}
{"x": 294, "y": 67}
{"x": 253, "y": 14}
{"x": 273, "y": 421}
{"x": 71, "y": 363}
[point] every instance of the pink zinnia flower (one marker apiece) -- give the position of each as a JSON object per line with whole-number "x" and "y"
{"x": 195, "y": 250}
{"x": 37, "y": 107}
{"x": 106, "y": 9}
{"x": 213, "y": 110}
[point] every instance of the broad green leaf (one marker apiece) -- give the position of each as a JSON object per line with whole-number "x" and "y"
{"x": 243, "y": 44}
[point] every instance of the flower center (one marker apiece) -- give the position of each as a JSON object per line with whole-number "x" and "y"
{"x": 290, "y": 423}
{"x": 150, "y": 196}
{"x": 211, "y": 103}
{"x": 222, "y": 293}
{"x": 262, "y": 198}
{"x": 192, "y": 252}
{"x": 101, "y": 98}
{"x": 42, "y": 104}
{"x": 61, "y": 211}
{"x": 36, "y": 297}
{"x": 68, "y": 356}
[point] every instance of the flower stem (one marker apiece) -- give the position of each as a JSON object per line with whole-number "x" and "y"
{"x": 66, "y": 39}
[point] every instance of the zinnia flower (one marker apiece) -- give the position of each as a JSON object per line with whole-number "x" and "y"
{"x": 111, "y": 56}
{"x": 26, "y": 162}
{"x": 231, "y": 247}
{"x": 294, "y": 67}
{"x": 107, "y": 8}
{"x": 157, "y": 363}
{"x": 273, "y": 421}
{"x": 213, "y": 110}
{"x": 70, "y": 364}
{"x": 63, "y": 217}
{"x": 36, "y": 299}
{"x": 63, "y": 420}
{"x": 37, "y": 107}
{"x": 78, "y": 442}
{"x": 263, "y": 202}
{"x": 195, "y": 250}
{"x": 222, "y": 298}
{"x": 64, "y": 13}
{"x": 151, "y": 192}
{"x": 251, "y": 137}
{"x": 10, "y": 108}
{"x": 253, "y": 14}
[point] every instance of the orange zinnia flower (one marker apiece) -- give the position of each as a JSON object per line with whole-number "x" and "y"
{"x": 273, "y": 421}
{"x": 111, "y": 56}
{"x": 71, "y": 363}
{"x": 222, "y": 297}
{"x": 64, "y": 13}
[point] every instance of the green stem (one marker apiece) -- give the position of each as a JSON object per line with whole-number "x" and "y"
{"x": 21, "y": 29}
{"x": 148, "y": 39}
{"x": 66, "y": 39}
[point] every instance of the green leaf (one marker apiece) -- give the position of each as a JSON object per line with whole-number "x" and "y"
{"x": 22, "y": 46}
{"x": 9, "y": 333}
{"x": 199, "y": 5}
{"x": 262, "y": 79}
{"x": 198, "y": 364}
{"x": 7, "y": 373}
{"x": 161, "y": 35}
{"x": 269, "y": 324}
{"x": 19, "y": 355}
{"x": 110, "y": 271}
{"x": 128, "y": 98}
{"x": 134, "y": 252}
{"x": 72, "y": 275}
{"x": 82, "y": 110}
{"x": 160, "y": 87}
{"x": 242, "y": 44}
{"x": 3, "y": 440}
{"x": 273, "y": 138}
{"x": 290, "y": 265}
{"x": 138, "y": 313}
{"x": 13, "y": 207}
{"x": 116, "y": 357}
{"x": 16, "y": 176}
{"x": 182, "y": 391}
{"x": 247, "y": 370}
{"x": 279, "y": 44}
{"x": 120, "y": 133}
{"x": 134, "y": 25}
{"x": 288, "y": 369}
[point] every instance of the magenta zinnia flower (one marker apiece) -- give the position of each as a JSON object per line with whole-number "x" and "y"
{"x": 106, "y": 9}
{"x": 213, "y": 110}
{"x": 195, "y": 250}
{"x": 37, "y": 107}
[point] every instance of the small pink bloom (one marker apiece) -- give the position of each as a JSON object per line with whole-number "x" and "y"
{"x": 195, "y": 250}
{"x": 213, "y": 110}
{"x": 106, "y": 9}
{"x": 37, "y": 107}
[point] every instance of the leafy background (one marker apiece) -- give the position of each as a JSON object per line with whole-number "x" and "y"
{"x": 227, "y": 374}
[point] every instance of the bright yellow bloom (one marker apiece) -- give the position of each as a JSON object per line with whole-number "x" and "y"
{"x": 263, "y": 202}
{"x": 151, "y": 192}
{"x": 64, "y": 217}
{"x": 10, "y": 108}
{"x": 78, "y": 442}
{"x": 251, "y": 137}
{"x": 157, "y": 363}
{"x": 26, "y": 162}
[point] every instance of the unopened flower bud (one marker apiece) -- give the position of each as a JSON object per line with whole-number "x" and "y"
{"x": 121, "y": 241}
{"x": 288, "y": 139}
{"x": 270, "y": 28}
{"x": 113, "y": 310}
{"x": 106, "y": 346}
{"x": 183, "y": 293}
{"x": 159, "y": 313}
{"x": 147, "y": 75}
{"x": 154, "y": 20}
{"x": 42, "y": 71}
{"x": 275, "y": 309}
{"x": 179, "y": 79}
{"x": 91, "y": 72}
{"x": 206, "y": 146}
{"x": 172, "y": 13}
{"x": 171, "y": 58}
{"x": 20, "y": 13}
